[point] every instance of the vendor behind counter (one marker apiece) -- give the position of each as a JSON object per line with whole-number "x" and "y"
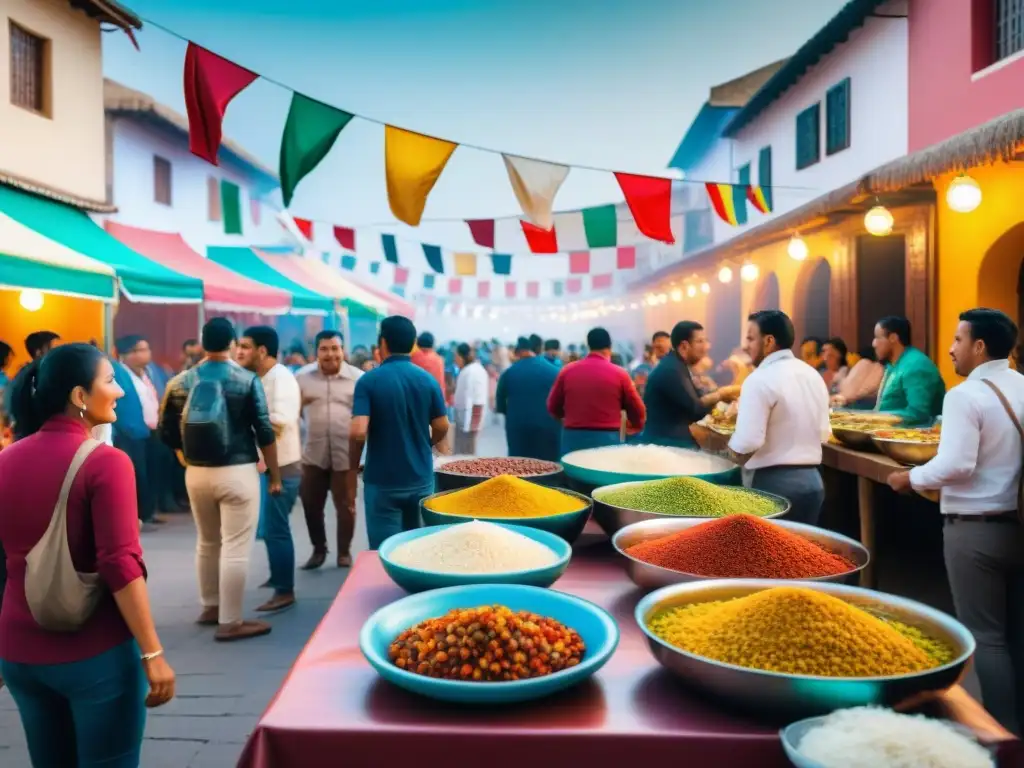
{"x": 912, "y": 387}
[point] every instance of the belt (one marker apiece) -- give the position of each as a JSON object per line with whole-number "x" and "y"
{"x": 988, "y": 517}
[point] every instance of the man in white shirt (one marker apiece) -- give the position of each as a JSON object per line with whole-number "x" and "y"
{"x": 978, "y": 469}
{"x": 782, "y": 419}
{"x": 471, "y": 394}
{"x": 257, "y": 351}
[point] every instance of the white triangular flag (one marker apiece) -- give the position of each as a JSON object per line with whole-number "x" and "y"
{"x": 535, "y": 183}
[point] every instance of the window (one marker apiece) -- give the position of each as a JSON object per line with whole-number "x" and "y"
{"x": 213, "y": 199}
{"x": 1009, "y": 28}
{"x": 837, "y": 117}
{"x": 808, "y": 137}
{"x": 161, "y": 180}
{"x": 764, "y": 174}
{"x": 29, "y": 70}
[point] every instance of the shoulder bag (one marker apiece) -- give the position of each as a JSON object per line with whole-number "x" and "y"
{"x": 60, "y": 598}
{"x": 1020, "y": 431}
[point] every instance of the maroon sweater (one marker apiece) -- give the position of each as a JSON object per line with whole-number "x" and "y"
{"x": 103, "y": 536}
{"x": 592, "y": 393}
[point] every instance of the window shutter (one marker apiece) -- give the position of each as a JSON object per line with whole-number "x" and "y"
{"x": 764, "y": 175}
{"x": 808, "y": 136}
{"x": 837, "y": 117}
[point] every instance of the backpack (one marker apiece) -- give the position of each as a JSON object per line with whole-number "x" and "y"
{"x": 205, "y": 426}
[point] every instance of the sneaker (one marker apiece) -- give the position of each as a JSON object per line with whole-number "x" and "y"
{"x": 243, "y": 630}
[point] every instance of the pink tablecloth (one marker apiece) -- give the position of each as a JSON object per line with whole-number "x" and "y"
{"x": 334, "y": 710}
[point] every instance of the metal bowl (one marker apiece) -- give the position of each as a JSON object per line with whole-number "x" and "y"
{"x": 654, "y": 576}
{"x": 727, "y": 474}
{"x": 778, "y": 694}
{"x": 881, "y": 418}
{"x": 612, "y": 518}
{"x": 906, "y": 452}
{"x": 451, "y": 481}
{"x": 854, "y": 438}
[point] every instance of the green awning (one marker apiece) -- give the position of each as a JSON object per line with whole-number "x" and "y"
{"x": 140, "y": 279}
{"x": 248, "y": 263}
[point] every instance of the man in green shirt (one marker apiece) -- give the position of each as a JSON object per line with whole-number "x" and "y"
{"x": 912, "y": 387}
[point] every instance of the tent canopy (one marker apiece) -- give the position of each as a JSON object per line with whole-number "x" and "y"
{"x": 248, "y": 263}
{"x": 396, "y": 304}
{"x": 141, "y": 279}
{"x": 29, "y": 260}
{"x": 223, "y": 289}
{"x": 317, "y": 276}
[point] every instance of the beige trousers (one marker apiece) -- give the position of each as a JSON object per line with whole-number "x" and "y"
{"x": 226, "y": 506}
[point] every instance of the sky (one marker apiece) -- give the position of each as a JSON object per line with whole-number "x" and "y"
{"x": 611, "y": 84}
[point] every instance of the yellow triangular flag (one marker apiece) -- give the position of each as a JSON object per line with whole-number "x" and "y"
{"x": 465, "y": 264}
{"x": 413, "y": 162}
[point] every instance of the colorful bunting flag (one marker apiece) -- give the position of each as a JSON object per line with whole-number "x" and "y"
{"x": 348, "y": 262}
{"x": 345, "y": 237}
{"x": 374, "y": 267}
{"x": 390, "y": 247}
{"x": 601, "y": 225}
{"x": 483, "y": 290}
{"x": 501, "y": 263}
{"x": 231, "y": 207}
{"x": 309, "y": 133}
{"x": 759, "y": 199}
{"x": 413, "y": 162}
{"x": 535, "y": 184}
{"x": 398, "y": 290}
{"x": 428, "y": 282}
{"x": 210, "y": 84}
{"x": 625, "y": 257}
{"x": 510, "y": 289}
{"x": 325, "y": 257}
{"x": 739, "y": 202}
{"x": 305, "y": 226}
{"x": 650, "y": 201}
{"x": 532, "y": 289}
{"x": 722, "y": 202}
{"x": 579, "y": 262}
{"x": 433, "y": 256}
{"x": 401, "y": 275}
{"x": 454, "y": 286}
{"x": 556, "y": 287}
{"x": 465, "y": 264}
{"x": 540, "y": 240}
{"x": 601, "y": 282}
{"x": 482, "y": 231}
{"x": 574, "y": 285}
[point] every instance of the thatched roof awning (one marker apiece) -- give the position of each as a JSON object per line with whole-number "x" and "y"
{"x": 52, "y": 193}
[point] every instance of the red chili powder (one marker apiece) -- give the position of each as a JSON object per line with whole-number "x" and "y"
{"x": 741, "y": 547}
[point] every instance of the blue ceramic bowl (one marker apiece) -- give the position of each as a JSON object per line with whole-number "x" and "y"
{"x": 568, "y": 525}
{"x": 417, "y": 580}
{"x": 599, "y": 632}
{"x": 729, "y": 474}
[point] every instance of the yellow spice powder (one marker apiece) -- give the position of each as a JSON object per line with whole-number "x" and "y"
{"x": 505, "y": 496}
{"x": 792, "y": 630}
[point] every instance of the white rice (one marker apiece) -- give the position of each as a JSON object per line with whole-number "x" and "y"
{"x": 870, "y": 737}
{"x": 650, "y": 460}
{"x": 474, "y": 547}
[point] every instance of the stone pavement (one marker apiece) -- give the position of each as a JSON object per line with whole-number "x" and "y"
{"x": 222, "y": 688}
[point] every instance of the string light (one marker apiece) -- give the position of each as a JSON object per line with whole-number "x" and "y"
{"x": 749, "y": 272}
{"x": 725, "y": 275}
{"x": 705, "y": 288}
{"x": 691, "y": 291}
{"x": 964, "y": 194}
{"x": 31, "y": 300}
{"x": 797, "y": 248}
{"x": 878, "y": 221}
{"x": 677, "y": 295}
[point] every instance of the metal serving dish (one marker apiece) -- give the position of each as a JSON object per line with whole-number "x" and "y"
{"x": 906, "y": 452}
{"x": 654, "y": 576}
{"x": 451, "y": 481}
{"x": 728, "y": 472}
{"x": 612, "y": 518}
{"x": 777, "y": 694}
{"x": 854, "y": 438}
{"x": 881, "y": 418}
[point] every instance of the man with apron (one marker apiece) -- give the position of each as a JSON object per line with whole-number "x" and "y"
{"x": 783, "y": 419}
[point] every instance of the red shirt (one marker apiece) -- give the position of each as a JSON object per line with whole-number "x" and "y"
{"x": 592, "y": 393}
{"x": 103, "y": 536}
{"x": 431, "y": 362}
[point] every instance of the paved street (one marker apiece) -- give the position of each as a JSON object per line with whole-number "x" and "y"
{"x": 222, "y": 687}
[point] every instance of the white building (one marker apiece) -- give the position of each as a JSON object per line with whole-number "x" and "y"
{"x": 157, "y": 183}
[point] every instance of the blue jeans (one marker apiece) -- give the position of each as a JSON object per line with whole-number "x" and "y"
{"x": 392, "y": 510}
{"x": 84, "y": 714}
{"x": 277, "y": 532}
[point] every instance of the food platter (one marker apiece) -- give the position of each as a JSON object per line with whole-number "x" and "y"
{"x": 908, "y": 446}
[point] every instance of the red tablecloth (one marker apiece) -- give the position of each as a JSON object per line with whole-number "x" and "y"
{"x": 334, "y": 710}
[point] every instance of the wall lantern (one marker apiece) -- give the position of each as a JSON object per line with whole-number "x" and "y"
{"x": 878, "y": 221}
{"x": 964, "y": 194}
{"x": 797, "y": 248}
{"x": 677, "y": 295}
{"x": 31, "y": 300}
{"x": 725, "y": 275}
{"x": 691, "y": 291}
{"x": 749, "y": 272}
{"x": 705, "y": 288}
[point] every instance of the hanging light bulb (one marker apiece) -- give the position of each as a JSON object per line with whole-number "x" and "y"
{"x": 964, "y": 194}
{"x": 677, "y": 295}
{"x": 691, "y": 291}
{"x": 749, "y": 272}
{"x": 31, "y": 300}
{"x": 662, "y": 298}
{"x": 725, "y": 275}
{"x": 797, "y": 248}
{"x": 634, "y": 306}
{"x": 878, "y": 221}
{"x": 705, "y": 288}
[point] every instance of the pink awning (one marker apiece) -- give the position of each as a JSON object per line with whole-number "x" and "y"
{"x": 223, "y": 289}
{"x": 396, "y": 304}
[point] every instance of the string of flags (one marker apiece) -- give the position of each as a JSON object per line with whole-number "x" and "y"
{"x": 415, "y": 161}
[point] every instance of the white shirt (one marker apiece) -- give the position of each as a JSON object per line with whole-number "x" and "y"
{"x": 148, "y": 397}
{"x": 471, "y": 390}
{"x": 285, "y": 404}
{"x": 783, "y": 414}
{"x": 979, "y": 460}
{"x": 104, "y": 433}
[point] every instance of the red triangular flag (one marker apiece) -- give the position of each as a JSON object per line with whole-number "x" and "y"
{"x": 650, "y": 201}
{"x": 482, "y": 231}
{"x": 305, "y": 226}
{"x": 540, "y": 240}
{"x": 625, "y": 257}
{"x": 346, "y": 238}
{"x": 211, "y": 82}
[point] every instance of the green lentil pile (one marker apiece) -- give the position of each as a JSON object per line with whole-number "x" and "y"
{"x": 689, "y": 497}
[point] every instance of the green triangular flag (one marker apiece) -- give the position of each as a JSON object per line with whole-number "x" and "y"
{"x": 601, "y": 226}
{"x": 309, "y": 134}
